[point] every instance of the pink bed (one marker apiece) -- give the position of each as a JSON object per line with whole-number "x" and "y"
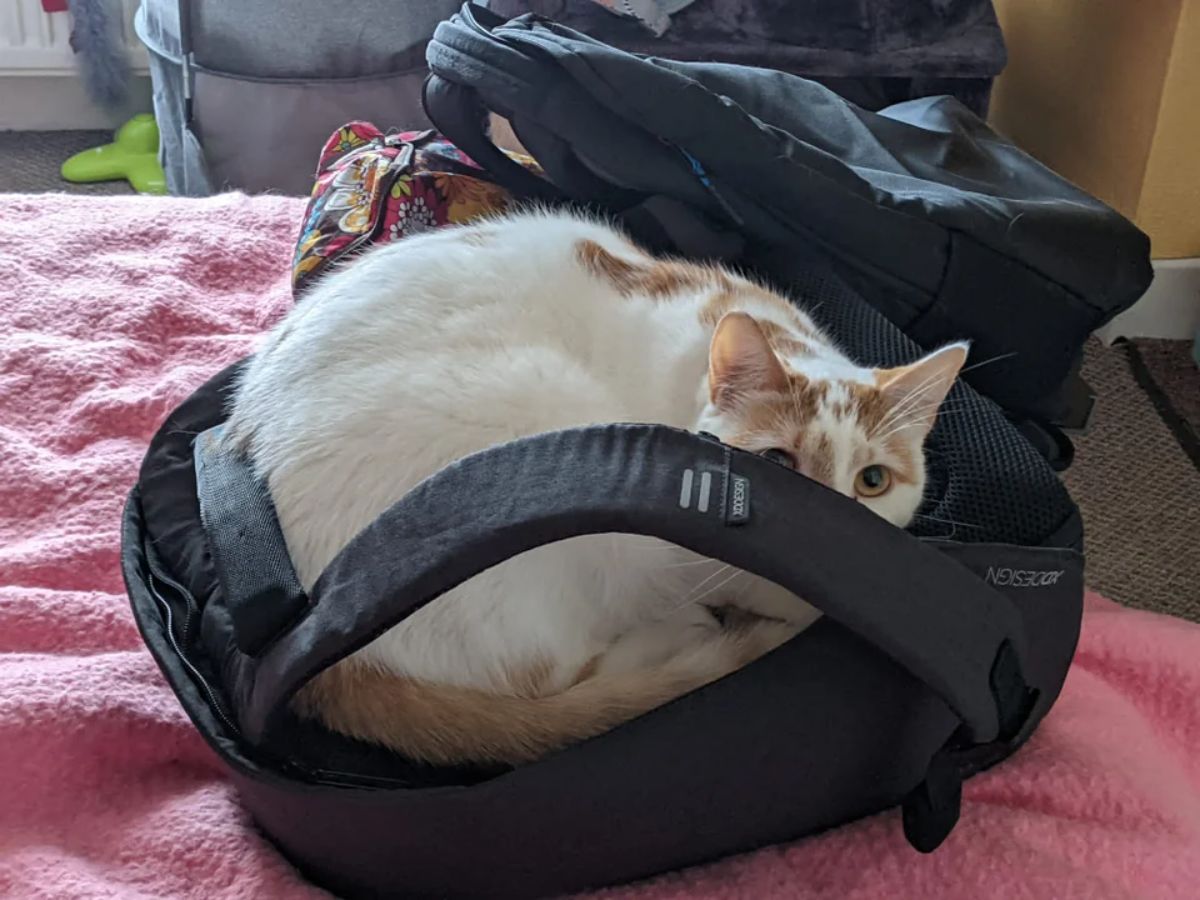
{"x": 111, "y": 311}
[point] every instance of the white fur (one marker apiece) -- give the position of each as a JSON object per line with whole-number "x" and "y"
{"x": 428, "y": 349}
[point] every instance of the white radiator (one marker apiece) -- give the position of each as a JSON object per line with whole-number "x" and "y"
{"x": 36, "y": 43}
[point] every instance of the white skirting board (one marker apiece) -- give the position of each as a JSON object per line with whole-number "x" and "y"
{"x": 1170, "y": 309}
{"x": 39, "y": 85}
{"x": 55, "y": 103}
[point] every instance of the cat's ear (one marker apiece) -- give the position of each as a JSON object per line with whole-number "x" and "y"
{"x": 917, "y": 390}
{"x": 740, "y": 360}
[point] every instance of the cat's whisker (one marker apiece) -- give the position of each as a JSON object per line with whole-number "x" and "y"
{"x": 716, "y": 587}
{"x": 716, "y": 574}
{"x": 923, "y": 416}
{"x": 928, "y": 412}
{"x": 688, "y": 599}
{"x": 914, "y": 423}
{"x": 656, "y": 548}
{"x": 902, "y": 406}
{"x": 946, "y": 521}
{"x": 742, "y": 590}
{"x": 947, "y": 413}
{"x": 928, "y": 421}
{"x": 911, "y": 397}
{"x": 987, "y": 362}
{"x": 693, "y": 562}
{"x": 934, "y": 407}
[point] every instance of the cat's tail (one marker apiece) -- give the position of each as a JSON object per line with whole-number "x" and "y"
{"x": 446, "y": 724}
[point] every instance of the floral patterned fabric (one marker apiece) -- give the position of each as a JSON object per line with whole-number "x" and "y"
{"x": 375, "y": 187}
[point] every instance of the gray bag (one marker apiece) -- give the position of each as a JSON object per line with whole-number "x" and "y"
{"x": 247, "y": 91}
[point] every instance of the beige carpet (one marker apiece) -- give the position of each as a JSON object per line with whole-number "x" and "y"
{"x": 1137, "y": 487}
{"x": 30, "y": 161}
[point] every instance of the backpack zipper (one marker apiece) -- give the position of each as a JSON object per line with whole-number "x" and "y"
{"x": 169, "y": 622}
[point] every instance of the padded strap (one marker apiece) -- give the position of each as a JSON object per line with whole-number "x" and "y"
{"x": 253, "y": 566}
{"x": 923, "y": 609}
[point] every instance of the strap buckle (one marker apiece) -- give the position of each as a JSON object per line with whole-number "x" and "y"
{"x": 931, "y": 809}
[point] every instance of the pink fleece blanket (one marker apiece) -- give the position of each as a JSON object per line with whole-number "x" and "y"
{"x": 111, "y": 311}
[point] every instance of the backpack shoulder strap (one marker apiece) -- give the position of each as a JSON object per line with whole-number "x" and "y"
{"x": 924, "y": 610}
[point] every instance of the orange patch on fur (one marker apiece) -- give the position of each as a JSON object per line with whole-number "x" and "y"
{"x": 817, "y": 458}
{"x": 789, "y": 412}
{"x": 874, "y": 411}
{"x": 905, "y": 471}
{"x": 796, "y": 406}
{"x": 782, "y": 341}
{"x": 717, "y": 306}
{"x": 666, "y": 279}
{"x": 647, "y": 276}
{"x": 780, "y": 412}
{"x": 661, "y": 279}
{"x": 868, "y": 405}
{"x": 623, "y": 274}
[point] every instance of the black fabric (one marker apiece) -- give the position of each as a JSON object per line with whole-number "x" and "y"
{"x": 931, "y": 810}
{"x": 1009, "y": 309}
{"x": 935, "y": 220}
{"x": 418, "y": 550}
{"x": 466, "y": 117}
{"x": 823, "y": 730}
{"x": 252, "y": 562}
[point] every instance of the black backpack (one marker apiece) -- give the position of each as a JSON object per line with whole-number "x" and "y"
{"x": 940, "y": 651}
{"x": 937, "y": 656}
{"x": 939, "y": 223}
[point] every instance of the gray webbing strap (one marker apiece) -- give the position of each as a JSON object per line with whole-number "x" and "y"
{"x": 253, "y": 566}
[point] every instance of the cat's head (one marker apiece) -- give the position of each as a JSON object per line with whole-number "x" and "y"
{"x": 858, "y": 431}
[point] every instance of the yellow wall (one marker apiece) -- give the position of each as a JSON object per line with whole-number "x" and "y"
{"x": 1107, "y": 92}
{"x": 1170, "y": 204}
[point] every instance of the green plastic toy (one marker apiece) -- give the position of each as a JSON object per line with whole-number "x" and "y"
{"x": 133, "y": 155}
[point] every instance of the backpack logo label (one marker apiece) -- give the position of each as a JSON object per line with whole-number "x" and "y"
{"x": 697, "y": 493}
{"x": 688, "y": 494}
{"x": 739, "y": 500}
{"x": 1023, "y": 578}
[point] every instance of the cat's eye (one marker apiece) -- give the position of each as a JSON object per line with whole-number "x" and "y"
{"x": 873, "y": 481}
{"x": 781, "y": 457}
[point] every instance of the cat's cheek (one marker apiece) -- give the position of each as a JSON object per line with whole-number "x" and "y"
{"x": 899, "y": 506}
{"x": 904, "y": 501}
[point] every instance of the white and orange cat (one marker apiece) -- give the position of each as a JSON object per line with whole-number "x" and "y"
{"x": 440, "y": 345}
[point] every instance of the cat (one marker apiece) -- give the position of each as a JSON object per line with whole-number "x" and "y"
{"x": 424, "y": 350}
